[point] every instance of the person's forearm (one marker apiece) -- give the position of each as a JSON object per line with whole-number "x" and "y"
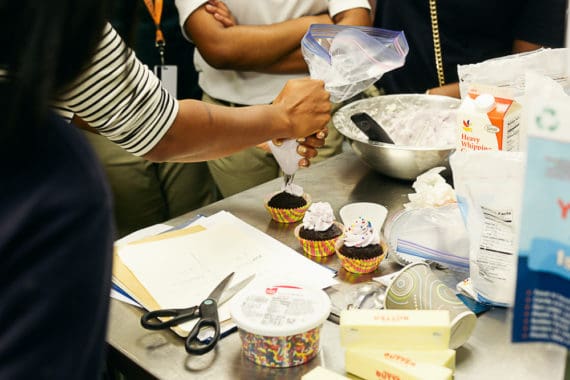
{"x": 292, "y": 63}
{"x": 203, "y": 131}
{"x": 356, "y": 17}
{"x": 450, "y": 89}
{"x": 520, "y": 46}
{"x": 248, "y": 47}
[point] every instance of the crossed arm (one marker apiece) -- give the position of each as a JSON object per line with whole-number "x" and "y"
{"x": 273, "y": 48}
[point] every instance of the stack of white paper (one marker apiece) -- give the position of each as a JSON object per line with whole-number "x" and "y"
{"x": 181, "y": 271}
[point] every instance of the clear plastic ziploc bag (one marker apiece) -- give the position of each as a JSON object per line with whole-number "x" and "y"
{"x": 435, "y": 234}
{"x": 350, "y": 59}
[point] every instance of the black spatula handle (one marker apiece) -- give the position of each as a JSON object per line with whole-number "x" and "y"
{"x": 371, "y": 128}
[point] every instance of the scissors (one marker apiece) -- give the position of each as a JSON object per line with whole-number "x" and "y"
{"x": 207, "y": 312}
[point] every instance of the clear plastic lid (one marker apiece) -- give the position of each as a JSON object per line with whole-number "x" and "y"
{"x": 281, "y": 310}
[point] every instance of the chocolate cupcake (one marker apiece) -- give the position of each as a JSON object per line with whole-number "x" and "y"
{"x": 288, "y": 205}
{"x": 360, "y": 250}
{"x": 286, "y": 200}
{"x": 319, "y": 232}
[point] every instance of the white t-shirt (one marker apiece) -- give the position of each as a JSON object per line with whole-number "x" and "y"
{"x": 120, "y": 97}
{"x": 247, "y": 87}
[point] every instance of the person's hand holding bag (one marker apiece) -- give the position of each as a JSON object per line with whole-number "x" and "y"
{"x": 308, "y": 106}
{"x": 305, "y": 105}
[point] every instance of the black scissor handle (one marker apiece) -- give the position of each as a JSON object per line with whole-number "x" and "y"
{"x": 209, "y": 319}
{"x": 150, "y": 319}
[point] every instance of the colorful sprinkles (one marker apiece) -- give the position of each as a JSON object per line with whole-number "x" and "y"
{"x": 361, "y": 228}
{"x": 280, "y": 325}
{"x": 286, "y": 351}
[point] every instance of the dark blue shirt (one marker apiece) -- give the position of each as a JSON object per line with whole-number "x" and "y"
{"x": 471, "y": 31}
{"x": 56, "y": 237}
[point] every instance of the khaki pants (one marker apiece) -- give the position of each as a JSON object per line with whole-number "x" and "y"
{"x": 254, "y": 166}
{"x": 147, "y": 193}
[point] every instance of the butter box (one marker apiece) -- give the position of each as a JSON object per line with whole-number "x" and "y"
{"x": 442, "y": 358}
{"x": 393, "y": 367}
{"x": 321, "y": 373}
{"x": 395, "y": 329}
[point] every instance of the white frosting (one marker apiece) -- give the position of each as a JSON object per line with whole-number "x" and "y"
{"x": 319, "y": 217}
{"x": 360, "y": 234}
{"x": 293, "y": 189}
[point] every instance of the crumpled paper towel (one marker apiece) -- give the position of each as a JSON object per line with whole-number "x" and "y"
{"x": 431, "y": 191}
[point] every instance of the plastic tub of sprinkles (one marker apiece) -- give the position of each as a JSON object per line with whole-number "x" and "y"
{"x": 280, "y": 326}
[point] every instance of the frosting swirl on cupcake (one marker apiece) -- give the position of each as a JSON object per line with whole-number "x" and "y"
{"x": 319, "y": 217}
{"x": 293, "y": 189}
{"x": 361, "y": 234}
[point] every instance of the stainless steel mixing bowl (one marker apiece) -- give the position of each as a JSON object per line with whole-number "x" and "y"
{"x": 398, "y": 161}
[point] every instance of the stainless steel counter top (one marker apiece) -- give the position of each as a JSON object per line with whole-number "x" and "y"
{"x": 343, "y": 179}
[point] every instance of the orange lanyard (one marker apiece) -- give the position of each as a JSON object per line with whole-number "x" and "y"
{"x": 155, "y": 10}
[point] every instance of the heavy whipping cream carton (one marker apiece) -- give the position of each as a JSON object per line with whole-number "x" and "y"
{"x": 487, "y": 122}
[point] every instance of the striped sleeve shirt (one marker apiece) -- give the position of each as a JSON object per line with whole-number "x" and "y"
{"x": 120, "y": 97}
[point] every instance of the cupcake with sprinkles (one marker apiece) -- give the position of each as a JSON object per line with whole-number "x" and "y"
{"x": 360, "y": 250}
{"x": 288, "y": 205}
{"x": 319, "y": 231}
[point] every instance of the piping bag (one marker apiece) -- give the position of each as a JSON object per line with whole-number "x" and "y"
{"x": 288, "y": 159}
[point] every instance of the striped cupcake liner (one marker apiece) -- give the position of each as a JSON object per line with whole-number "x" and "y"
{"x": 318, "y": 248}
{"x": 287, "y": 215}
{"x": 359, "y": 265}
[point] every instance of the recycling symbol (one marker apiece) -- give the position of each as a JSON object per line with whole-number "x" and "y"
{"x": 547, "y": 120}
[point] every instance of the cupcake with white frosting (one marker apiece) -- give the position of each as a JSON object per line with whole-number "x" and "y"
{"x": 360, "y": 250}
{"x": 319, "y": 231}
{"x": 288, "y": 205}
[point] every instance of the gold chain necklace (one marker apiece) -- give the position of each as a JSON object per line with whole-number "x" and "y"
{"x": 436, "y": 42}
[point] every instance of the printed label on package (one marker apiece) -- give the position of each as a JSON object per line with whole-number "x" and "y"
{"x": 542, "y": 301}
